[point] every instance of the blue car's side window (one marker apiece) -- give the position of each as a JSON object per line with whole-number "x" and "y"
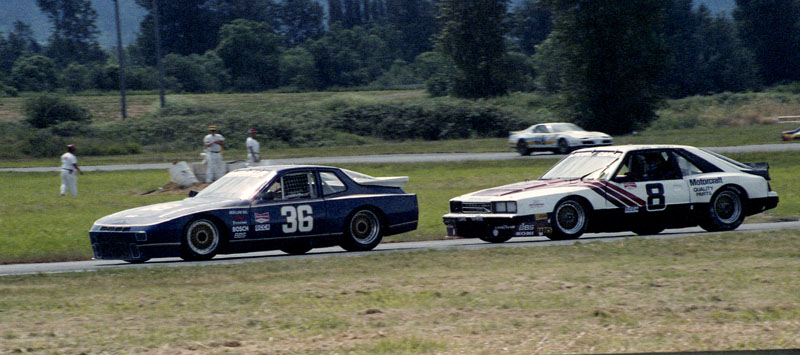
{"x": 331, "y": 184}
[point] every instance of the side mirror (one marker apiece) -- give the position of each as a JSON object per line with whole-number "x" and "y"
{"x": 267, "y": 196}
{"x": 193, "y": 193}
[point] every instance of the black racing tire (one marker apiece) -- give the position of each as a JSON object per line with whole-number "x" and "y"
{"x": 522, "y": 148}
{"x": 725, "y": 211}
{"x": 363, "y": 231}
{"x": 648, "y": 230}
{"x": 570, "y": 219}
{"x": 201, "y": 239}
{"x": 296, "y": 248}
{"x": 562, "y": 146}
{"x": 496, "y": 239}
{"x": 136, "y": 261}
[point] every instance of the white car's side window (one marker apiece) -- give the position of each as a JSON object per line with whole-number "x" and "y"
{"x": 687, "y": 168}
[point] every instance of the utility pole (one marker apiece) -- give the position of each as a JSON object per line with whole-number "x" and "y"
{"x": 121, "y": 62}
{"x": 158, "y": 54}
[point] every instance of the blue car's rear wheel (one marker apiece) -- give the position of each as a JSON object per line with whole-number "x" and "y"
{"x": 201, "y": 240}
{"x": 363, "y": 231}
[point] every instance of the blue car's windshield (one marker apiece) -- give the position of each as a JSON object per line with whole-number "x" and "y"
{"x": 240, "y": 184}
{"x": 581, "y": 165}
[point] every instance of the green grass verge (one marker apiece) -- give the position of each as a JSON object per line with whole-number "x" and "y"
{"x": 731, "y": 291}
{"x": 38, "y": 225}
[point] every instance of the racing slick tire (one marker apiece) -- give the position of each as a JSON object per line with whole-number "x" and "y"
{"x": 725, "y": 211}
{"x": 648, "y": 230}
{"x": 363, "y": 231}
{"x": 500, "y": 238}
{"x": 201, "y": 240}
{"x": 562, "y": 146}
{"x": 136, "y": 261}
{"x": 522, "y": 148}
{"x": 296, "y": 248}
{"x": 570, "y": 219}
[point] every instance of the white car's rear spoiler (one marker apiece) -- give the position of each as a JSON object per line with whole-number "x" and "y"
{"x": 394, "y": 181}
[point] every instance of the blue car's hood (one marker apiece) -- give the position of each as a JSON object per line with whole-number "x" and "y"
{"x": 162, "y": 212}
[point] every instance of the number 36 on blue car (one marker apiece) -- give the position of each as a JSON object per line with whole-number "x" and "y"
{"x": 290, "y": 208}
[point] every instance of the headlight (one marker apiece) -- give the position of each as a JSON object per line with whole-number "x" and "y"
{"x": 455, "y": 206}
{"x": 505, "y": 207}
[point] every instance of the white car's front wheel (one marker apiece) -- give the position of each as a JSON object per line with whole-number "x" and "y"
{"x": 570, "y": 219}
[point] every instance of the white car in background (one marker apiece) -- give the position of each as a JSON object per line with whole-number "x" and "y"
{"x": 644, "y": 189}
{"x": 559, "y": 137}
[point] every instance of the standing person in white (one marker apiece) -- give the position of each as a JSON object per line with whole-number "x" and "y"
{"x": 253, "y": 156}
{"x": 69, "y": 171}
{"x": 214, "y": 143}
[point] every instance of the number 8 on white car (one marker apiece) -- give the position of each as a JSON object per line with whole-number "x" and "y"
{"x": 644, "y": 189}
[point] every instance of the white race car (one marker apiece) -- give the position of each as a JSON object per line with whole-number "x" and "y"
{"x": 560, "y": 138}
{"x": 644, "y": 189}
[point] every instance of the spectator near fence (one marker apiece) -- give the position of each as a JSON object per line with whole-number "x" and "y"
{"x": 214, "y": 144}
{"x": 69, "y": 171}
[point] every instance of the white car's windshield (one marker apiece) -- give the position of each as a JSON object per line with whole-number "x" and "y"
{"x": 581, "y": 165}
{"x": 565, "y": 127}
{"x": 241, "y": 184}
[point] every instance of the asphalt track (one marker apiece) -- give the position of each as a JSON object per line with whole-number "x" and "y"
{"x": 405, "y": 158}
{"x": 461, "y": 244}
{"x": 96, "y": 265}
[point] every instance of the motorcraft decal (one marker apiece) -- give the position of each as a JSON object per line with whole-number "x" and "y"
{"x": 701, "y": 182}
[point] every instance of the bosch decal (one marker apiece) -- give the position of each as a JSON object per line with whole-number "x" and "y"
{"x": 240, "y": 229}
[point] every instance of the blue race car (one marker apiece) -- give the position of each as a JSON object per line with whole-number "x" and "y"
{"x": 291, "y": 208}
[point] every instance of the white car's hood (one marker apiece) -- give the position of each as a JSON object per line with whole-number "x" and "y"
{"x": 528, "y": 189}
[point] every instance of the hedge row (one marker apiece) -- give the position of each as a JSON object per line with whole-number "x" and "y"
{"x": 182, "y": 124}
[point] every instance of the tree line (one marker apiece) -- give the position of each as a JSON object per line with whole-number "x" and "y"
{"x": 608, "y": 63}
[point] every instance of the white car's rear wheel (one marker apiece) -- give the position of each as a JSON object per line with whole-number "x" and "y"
{"x": 725, "y": 211}
{"x": 522, "y": 148}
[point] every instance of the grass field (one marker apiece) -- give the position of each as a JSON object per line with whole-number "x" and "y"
{"x": 38, "y": 225}
{"x": 731, "y": 291}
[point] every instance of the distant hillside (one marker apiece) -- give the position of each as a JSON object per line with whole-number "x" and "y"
{"x": 131, "y": 16}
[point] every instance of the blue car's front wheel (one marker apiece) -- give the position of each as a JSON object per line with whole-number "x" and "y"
{"x": 201, "y": 240}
